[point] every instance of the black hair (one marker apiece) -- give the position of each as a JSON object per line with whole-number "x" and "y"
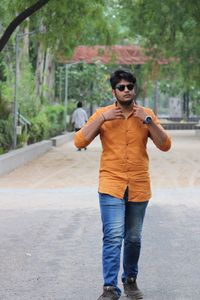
{"x": 119, "y": 75}
{"x": 79, "y": 104}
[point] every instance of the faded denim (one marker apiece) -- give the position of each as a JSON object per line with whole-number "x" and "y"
{"x": 121, "y": 220}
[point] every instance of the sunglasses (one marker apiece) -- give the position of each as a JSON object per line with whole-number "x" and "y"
{"x": 121, "y": 87}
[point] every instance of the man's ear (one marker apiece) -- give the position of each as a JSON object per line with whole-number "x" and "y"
{"x": 113, "y": 92}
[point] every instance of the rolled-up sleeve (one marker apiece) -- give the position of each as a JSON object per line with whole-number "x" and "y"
{"x": 166, "y": 145}
{"x": 79, "y": 139}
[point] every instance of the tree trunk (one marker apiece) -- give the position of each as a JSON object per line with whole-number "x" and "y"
{"x": 49, "y": 77}
{"x": 155, "y": 97}
{"x": 24, "y": 55}
{"x": 23, "y": 51}
{"x": 186, "y": 99}
{"x": 39, "y": 72}
{"x": 18, "y": 20}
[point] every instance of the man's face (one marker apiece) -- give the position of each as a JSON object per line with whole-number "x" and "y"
{"x": 124, "y": 92}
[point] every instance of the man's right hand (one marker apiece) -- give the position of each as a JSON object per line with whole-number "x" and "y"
{"x": 112, "y": 114}
{"x": 91, "y": 130}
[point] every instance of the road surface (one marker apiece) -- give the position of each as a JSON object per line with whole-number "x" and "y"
{"x": 50, "y": 228}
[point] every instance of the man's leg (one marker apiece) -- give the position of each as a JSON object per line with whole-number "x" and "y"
{"x": 134, "y": 216}
{"x": 112, "y": 215}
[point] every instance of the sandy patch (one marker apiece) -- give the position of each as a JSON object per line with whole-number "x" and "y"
{"x": 65, "y": 167}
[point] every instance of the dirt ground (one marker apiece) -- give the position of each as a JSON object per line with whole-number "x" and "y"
{"x": 65, "y": 167}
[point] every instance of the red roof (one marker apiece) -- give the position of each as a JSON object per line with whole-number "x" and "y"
{"x": 106, "y": 54}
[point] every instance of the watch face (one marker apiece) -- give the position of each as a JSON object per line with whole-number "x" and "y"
{"x": 148, "y": 120}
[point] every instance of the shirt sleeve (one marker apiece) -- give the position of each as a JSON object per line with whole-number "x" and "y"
{"x": 167, "y": 143}
{"x": 79, "y": 138}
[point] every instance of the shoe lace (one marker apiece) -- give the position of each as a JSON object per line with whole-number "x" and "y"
{"x": 108, "y": 291}
{"x": 131, "y": 280}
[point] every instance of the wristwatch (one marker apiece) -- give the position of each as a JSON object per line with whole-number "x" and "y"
{"x": 148, "y": 120}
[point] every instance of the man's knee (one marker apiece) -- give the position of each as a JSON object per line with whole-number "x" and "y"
{"x": 114, "y": 235}
{"x": 133, "y": 236}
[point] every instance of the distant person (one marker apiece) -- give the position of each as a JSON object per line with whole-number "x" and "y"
{"x": 79, "y": 118}
{"x": 124, "y": 182}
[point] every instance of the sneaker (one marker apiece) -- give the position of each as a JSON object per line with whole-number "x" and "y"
{"x": 109, "y": 293}
{"x": 131, "y": 289}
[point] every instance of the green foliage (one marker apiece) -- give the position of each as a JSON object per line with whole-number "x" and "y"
{"x": 71, "y": 106}
{"x": 5, "y": 126}
{"x": 89, "y": 83}
{"x": 195, "y": 103}
{"x": 55, "y": 116}
{"x": 74, "y": 23}
{"x": 27, "y": 102}
{"x": 7, "y": 82}
{"x": 5, "y": 135}
{"x": 169, "y": 29}
{"x": 22, "y": 139}
{"x": 26, "y": 99}
{"x": 47, "y": 123}
{"x": 39, "y": 129}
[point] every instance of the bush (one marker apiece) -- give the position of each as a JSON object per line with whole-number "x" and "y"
{"x": 5, "y": 135}
{"x": 55, "y": 116}
{"x": 48, "y": 123}
{"x": 39, "y": 128}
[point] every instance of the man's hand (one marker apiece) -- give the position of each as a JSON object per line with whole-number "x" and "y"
{"x": 157, "y": 133}
{"x": 112, "y": 114}
{"x": 139, "y": 112}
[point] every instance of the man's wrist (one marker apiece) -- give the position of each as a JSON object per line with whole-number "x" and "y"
{"x": 147, "y": 120}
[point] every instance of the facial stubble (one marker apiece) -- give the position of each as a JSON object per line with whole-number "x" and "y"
{"x": 125, "y": 103}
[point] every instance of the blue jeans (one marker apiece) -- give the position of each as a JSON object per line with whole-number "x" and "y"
{"x": 121, "y": 220}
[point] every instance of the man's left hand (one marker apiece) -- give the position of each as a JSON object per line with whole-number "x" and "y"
{"x": 139, "y": 112}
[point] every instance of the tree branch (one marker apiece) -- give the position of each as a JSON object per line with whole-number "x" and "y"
{"x": 18, "y": 20}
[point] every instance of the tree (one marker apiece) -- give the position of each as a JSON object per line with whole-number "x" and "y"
{"x": 89, "y": 82}
{"x": 18, "y": 20}
{"x": 167, "y": 29}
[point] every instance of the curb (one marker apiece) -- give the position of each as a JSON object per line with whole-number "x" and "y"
{"x": 16, "y": 158}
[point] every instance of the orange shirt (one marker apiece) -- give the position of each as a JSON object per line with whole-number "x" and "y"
{"x": 124, "y": 159}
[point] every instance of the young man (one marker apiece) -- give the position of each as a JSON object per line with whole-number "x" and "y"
{"x": 124, "y": 184}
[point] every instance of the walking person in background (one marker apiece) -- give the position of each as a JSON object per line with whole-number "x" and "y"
{"x": 79, "y": 118}
{"x": 124, "y": 183}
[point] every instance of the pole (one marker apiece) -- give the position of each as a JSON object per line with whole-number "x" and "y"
{"x": 67, "y": 66}
{"x": 60, "y": 84}
{"x": 15, "y": 94}
{"x": 66, "y": 97}
{"x": 155, "y": 97}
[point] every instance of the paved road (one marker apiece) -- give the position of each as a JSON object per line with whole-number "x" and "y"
{"x": 51, "y": 243}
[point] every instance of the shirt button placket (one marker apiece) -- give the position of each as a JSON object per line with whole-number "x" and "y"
{"x": 127, "y": 145}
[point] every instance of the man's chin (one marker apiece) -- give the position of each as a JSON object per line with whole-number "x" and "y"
{"x": 126, "y": 103}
